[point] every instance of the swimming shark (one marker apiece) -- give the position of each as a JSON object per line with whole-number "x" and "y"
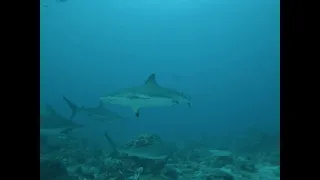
{"x": 61, "y": 1}
{"x": 156, "y": 151}
{"x": 99, "y": 112}
{"x": 150, "y": 94}
{"x": 52, "y": 123}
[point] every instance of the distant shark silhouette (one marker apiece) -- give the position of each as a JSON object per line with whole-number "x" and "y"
{"x": 52, "y": 123}
{"x": 99, "y": 112}
{"x": 150, "y": 94}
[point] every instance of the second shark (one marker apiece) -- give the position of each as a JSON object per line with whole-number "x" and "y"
{"x": 99, "y": 112}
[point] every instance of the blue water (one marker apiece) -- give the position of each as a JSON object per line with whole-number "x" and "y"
{"x": 225, "y": 54}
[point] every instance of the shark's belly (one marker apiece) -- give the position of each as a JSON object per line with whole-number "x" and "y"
{"x": 151, "y": 102}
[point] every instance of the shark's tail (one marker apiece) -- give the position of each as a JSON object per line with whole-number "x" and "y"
{"x": 111, "y": 142}
{"x": 72, "y": 106}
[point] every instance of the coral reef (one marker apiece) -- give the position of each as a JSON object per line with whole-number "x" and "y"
{"x": 72, "y": 158}
{"x": 53, "y": 169}
{"x": 144, "y": 140}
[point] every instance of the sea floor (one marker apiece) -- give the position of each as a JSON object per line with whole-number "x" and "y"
{"x": 66, "y": 158}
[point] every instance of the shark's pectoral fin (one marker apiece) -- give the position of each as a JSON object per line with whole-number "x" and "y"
{"x": 136, "y": 110}
{"x": 137, "y": 113}
{"x": 189, "y": 104}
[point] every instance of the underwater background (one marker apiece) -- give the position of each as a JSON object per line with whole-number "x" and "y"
{"x": 224, "y": 54}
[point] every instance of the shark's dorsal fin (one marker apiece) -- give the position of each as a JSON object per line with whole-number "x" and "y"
{"x": 100, "y": 105}
{"x": 151, "y": 80}
{"x": 111, "y": 142}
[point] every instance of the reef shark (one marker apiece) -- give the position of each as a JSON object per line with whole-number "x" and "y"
{"x": 156, "y": 151}
{"x": 61, "y": 1}
{"x": 52, "y": 123}
{"x": 150, "y": 94}
{"x": 99, "y": 112}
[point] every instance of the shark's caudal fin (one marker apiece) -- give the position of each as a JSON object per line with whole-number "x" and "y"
{"x": 72, "y": 106}
{"x": 51, "y": 110}
{"x": 111, "y": 142}
{"x": 151, "y": 80}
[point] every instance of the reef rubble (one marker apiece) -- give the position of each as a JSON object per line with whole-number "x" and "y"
{"x": 71, "y": 158}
